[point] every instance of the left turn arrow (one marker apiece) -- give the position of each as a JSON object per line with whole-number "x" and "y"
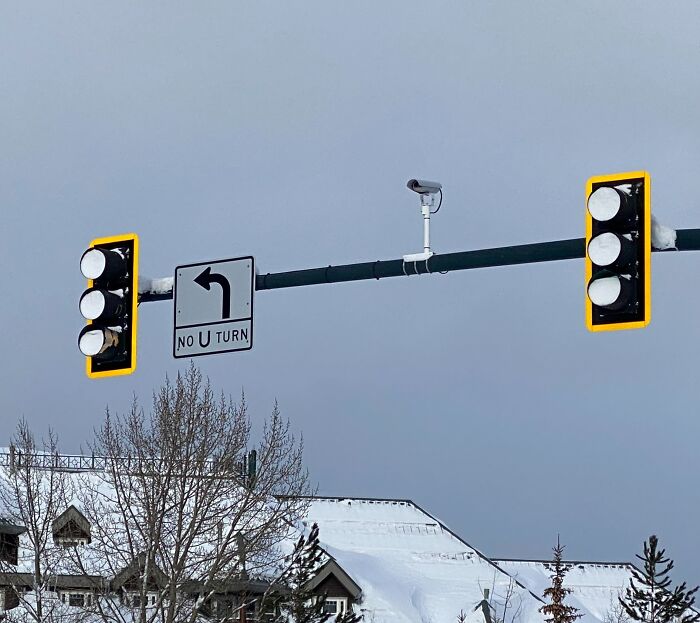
{"x": 206, "y": 278}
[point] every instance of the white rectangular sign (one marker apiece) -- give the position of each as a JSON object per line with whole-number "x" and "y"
{"x": 214, "y": 307}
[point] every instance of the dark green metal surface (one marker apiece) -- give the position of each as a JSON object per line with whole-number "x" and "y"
{"x": 687, "y": 240}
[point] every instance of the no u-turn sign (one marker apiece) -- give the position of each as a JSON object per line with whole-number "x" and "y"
{"x": 213, "y": 307}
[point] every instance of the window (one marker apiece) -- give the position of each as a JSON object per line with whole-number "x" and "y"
{"x": 135, "y": 600}
{"x": 76, "y": 599}
{"x": 9, "y": 544}
{"x": 227, "y": 607}
{"x": 9, "y": 598}
{"x": 335, "y": 605}
{"x": 224, "y": 606}
{"x": 250, "y": 611}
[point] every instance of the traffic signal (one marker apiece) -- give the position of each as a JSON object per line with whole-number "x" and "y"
{"x": 110, "y": 305}
{"x": 618, "y": 251}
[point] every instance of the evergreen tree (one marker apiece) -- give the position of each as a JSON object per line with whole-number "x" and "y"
{"x": 650, "y": 598}
{"x": 556, "y": 611}
{"x": 296, "y": 603}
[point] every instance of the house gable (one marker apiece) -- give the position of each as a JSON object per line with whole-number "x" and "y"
{"x": 130, "y": 578}
{"x": 333, "y": 581}
{"x": 71, "y": 528}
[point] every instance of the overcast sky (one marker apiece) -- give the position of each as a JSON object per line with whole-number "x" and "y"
{"x": 287, "y": 131}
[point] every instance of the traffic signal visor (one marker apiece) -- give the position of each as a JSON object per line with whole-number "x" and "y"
{"x": 109, "y": 305}
{"x": 618, "y": 251}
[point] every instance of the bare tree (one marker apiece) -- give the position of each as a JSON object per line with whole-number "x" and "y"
{"x": 616, "y": 612}
{"x": 501, "y": 604}
{"x": 184, "y": 508}
{"x": 508, "y": 604}
{"x": 31, "y": 497}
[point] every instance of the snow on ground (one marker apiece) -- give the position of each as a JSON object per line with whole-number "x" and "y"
{"x": 410, "y": 567}
{"x": 595, "y": 585}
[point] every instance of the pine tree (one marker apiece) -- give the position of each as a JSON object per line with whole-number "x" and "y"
{"x": 556, "y": 611}
{"x": 298, "y": 604}
{"x": 650, "y": 598}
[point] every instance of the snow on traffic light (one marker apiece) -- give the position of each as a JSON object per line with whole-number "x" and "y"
{"x": 109, "y": 305}
{"x": 618, "y": 251}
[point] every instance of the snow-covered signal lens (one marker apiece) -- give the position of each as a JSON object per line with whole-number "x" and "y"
{"x": 93, "y": 263}
{"x": 604, "y": 249}
{"x": 94, "y": 341}
{"x": 611, "y": 292}
{"x": 110, "y": 305}
{"x": 610, "y": 249}
{"x": 618, "y": 251}
{"x": 101, "y": 263}
{"x": 605, "y": 203}
{"x": 96, "y": 303}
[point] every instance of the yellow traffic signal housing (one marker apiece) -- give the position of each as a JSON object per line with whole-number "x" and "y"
{"x": 618, "y": 251}
{"x": 109, "y": 305}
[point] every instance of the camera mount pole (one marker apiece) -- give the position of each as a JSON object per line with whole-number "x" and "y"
{"x": 426, "y": 205}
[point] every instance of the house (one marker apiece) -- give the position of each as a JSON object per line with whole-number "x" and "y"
{"x": 9, "y": 546}
{"x": 77, "y": 574}
{"x": 388, "y": 559}
{"x": 408, "y": 565}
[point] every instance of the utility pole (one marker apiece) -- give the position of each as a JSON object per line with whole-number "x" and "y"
{"x": 620, "y": 237}
{"x": 573, "y": 248}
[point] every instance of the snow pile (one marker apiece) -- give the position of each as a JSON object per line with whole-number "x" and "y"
{"x": 662, "y": 237}
{"x": 162, "y": 285}
{"x": 410, "y": 567}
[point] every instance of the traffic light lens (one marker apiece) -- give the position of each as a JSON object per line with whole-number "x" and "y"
{"x": 93, "y": 263}
{"x": 92, "y": 304}
{"x": 95, "y": 341}
{"x": 605, "y": 291}
{"x": 91, "y": 342}
{"x": 604, "y": 249}
{"x": 604, "y": 203}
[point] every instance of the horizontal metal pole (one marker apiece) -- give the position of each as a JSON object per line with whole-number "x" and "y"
{"x": 687, "y": 240}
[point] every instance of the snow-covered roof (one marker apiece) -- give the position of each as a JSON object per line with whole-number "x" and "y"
{"x": 410, "y": 566}
{"x": 595, "y": 585}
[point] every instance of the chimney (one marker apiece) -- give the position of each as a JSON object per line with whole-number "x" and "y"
{"x": 485, "y": 607}
{"x": 240, "y": 542}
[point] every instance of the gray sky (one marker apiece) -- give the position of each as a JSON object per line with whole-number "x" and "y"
{"x": 287, "y": 131}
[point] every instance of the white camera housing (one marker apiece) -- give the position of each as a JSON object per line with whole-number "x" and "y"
{"x": 424, "y": 187}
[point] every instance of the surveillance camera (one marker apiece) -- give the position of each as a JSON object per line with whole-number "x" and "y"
{"x": 423, "y": 187}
